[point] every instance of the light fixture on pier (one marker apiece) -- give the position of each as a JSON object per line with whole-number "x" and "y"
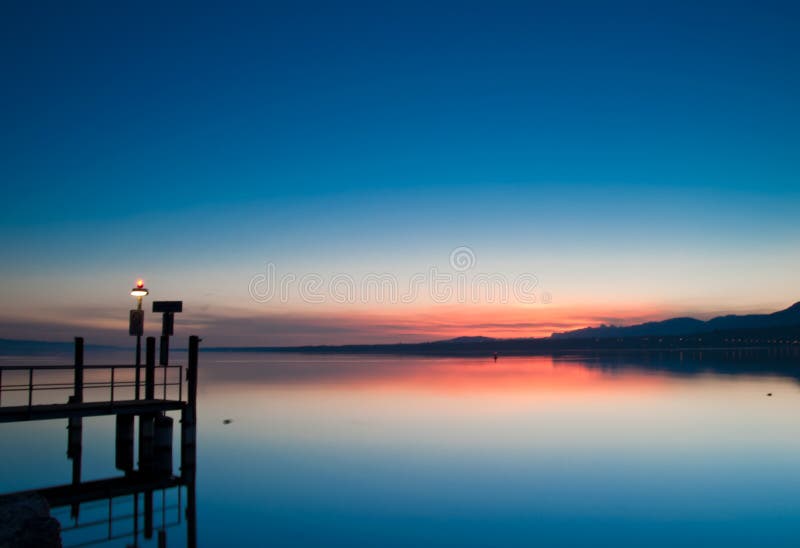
{"x": 136, "y": 326}
{"x": 140, "y": 290}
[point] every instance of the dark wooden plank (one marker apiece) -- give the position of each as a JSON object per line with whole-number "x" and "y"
{"x": 87, "y": 409}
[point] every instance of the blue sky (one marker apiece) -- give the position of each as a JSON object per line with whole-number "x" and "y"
{"x": 639, "y": 157}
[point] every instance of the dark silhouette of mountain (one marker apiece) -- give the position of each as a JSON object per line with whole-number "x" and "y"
{"x": 674, "y": 326}
{"x": 689, "y": 326}
{"x": 729, "y": 338}
{"x": 468, "y": 340}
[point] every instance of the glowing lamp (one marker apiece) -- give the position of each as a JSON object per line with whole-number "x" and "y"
{"x": 139, "y": 291}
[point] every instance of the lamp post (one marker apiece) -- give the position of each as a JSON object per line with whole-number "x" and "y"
{"x": 137, "y": 326}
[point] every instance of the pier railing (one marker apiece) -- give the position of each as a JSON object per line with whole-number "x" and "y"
{"x": 80, "y": 390}
{"x": 112, "y": 381}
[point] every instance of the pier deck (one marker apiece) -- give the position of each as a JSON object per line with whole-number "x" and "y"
{"x": 87, "y": 409}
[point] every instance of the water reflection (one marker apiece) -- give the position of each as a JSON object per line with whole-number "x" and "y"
{"x": 568, "y": 450}
{"x": 289, "y": 368}
{"x": 589, "y": 450}
{"x": 779, "y": 362}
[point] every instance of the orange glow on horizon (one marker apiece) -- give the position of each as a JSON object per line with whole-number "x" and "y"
{"x": 289, "y": 325}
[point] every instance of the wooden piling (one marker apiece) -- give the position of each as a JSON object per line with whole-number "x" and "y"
{"x": 191, "y": 373}
{"x": 75, "y": 451}
{"x": 146, "y": 440}
{"x": 191, "y": 513}
{"x": 74, "y": 435}
{"x": 189, "y": 413}
{"x": 75, "y": 446}
{"x": 162, "y": 445}
{"x": 124, "y": 443}
{"x": 163, "y": 353}
{"x": 148, "y": 514}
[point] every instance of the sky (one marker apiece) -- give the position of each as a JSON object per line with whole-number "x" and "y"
{"x": 565, "y": 164}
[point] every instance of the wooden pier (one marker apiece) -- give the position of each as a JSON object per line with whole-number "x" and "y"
{"x": 144, "y": 403}
{"x": 86, "y": 409}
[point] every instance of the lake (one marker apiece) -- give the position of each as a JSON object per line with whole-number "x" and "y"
{"x": 338, "y": 450}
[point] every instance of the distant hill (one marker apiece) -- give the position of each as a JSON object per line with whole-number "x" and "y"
{"x": 689, "y": 326}
{"x": 727, "y": 338}
{"x": 459, "y": 340}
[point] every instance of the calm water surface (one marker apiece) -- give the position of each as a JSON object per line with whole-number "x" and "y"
{"x": 341, "y": 450}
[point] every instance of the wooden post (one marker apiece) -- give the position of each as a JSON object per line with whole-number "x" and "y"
{"x": 188, "y": 442}
{"x": 78, "y": 389}
{"x": 167, "y": 327}
{"x": 146, "y": 421}
{"x": 148, "y": 514}
{"x": 75, "y": 441}
{"x": 191, "y": 374}
{"x": 75, "y": 453}
{"x": 189, "y": 413}
{"x": 150, "y": 370}
{"x": 162, "y": 445}
{"x": 124, "y": 445}
{"x": 146, "y": 441}
{"x": 191, "y": 513}
{"x": 163, "y": 356}
{"x": 136, "y": 519}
